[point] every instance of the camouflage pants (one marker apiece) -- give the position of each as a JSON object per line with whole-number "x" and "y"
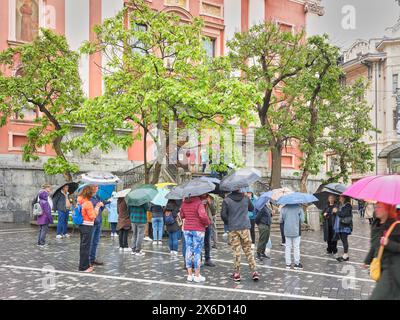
{"x": 241, "y": 240}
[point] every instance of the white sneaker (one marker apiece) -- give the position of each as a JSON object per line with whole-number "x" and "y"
{"x": 140, "y": 253}
{"x": 133, "y": 253}
{"x": 126, "y": 249}
{"x": 59, "y": 236}
{"x": 159, "y": 242}
{"x": 66, "y": 235}
{"x": 147, "y": 239}
{"x": 116, "y": 234}
{"x": 198, "y": 279}
{"x": 225, "y": 235}
{"x": 253, "y": 246}
{"x": 190, "y": 278}
{"x": 121, "y": 249}
{"x": 155, "y": 242}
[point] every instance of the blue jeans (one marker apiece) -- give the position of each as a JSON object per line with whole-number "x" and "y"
{"x": 194, "y": 245}
{"x": 173, "y": 240}
{"x": 207, "y": 243}
{"x": 96, "y": 232}
{"x": 113, "y": 227}
{"x": 158, "y": 228}
{"x": 225, "y": 228}
{"x": 62, "y": 225}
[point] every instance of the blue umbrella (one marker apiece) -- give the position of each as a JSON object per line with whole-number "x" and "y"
{"x": 296, "y": 198}
{"x": 105, "y": 192}
{"x": 262, "y": 200}
{"x": 159, "y": 199}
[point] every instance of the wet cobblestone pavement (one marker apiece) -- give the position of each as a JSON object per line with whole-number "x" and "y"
{"x": 28, "y": 272}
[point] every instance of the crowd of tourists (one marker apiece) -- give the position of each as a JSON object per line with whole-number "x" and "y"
{"x": 192, "y": 222}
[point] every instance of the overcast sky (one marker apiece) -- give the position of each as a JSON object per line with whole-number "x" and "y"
{"x": 372, "y": 18}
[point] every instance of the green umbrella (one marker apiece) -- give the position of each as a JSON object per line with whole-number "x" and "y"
{"x": 141, "y": 195}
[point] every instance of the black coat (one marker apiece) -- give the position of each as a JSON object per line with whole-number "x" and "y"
{"x": 263, "y": 216}
{"x": 328, "y": 222}
{"x": 59, "y": 202}
{"x": 388, "y": 287}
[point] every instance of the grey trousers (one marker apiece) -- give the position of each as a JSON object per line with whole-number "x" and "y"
{"x": 138, "y": 235}
{"x": 42, "y": 234}
{"x": 214, "y": 232}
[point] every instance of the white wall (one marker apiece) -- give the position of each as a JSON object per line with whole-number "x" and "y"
{"x": 233, "y": 19}
{"x": 256, "y": 12}
{"x": 76, "y": 32}
{"x": 109, "y": 8}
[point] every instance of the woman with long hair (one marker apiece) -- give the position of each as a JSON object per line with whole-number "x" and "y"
{"x": 89, "y": 214}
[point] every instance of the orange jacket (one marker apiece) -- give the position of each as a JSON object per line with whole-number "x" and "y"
{"x": 88, "y": 212}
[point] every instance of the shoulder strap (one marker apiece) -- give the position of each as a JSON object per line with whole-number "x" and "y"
{"x": 387, "y": 235}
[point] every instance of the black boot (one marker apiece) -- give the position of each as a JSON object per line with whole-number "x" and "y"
{"x": 259, "y": 257}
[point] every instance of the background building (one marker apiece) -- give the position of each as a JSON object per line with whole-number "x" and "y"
{"x": 20, "y": 21}
{"x": 378, "y": 62}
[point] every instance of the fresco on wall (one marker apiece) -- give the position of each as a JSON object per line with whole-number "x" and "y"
{"x": 27, "y": 20}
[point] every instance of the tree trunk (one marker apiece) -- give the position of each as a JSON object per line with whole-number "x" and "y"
{"x": 146, "y": 170}
{"x": 276, "y": 168}
{"x": 156, "y": 173}
{"x": 57, "y": 148}
{"x": 303, "y": 181}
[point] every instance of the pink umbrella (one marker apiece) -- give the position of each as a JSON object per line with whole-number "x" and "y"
{"x": 383, "y": 188}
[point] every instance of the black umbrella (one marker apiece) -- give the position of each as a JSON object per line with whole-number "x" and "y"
{"x": 216, "y": 182}
{"x": 241, "y": 178}
{"x": 336, "y": 187}
{"x": 72, "y": 187}
{"x": 190, "y": 188}
{"x": 323, "y": 198}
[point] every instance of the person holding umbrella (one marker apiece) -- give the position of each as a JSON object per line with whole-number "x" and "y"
{"x": 235, "y": 208}
{"x": 292, "y": 216}
{"x": 195, "y": 217}
{"x": 388, "y": 245}
{"x": 62, "y": 205}
{"x": 138, "y": 200}
{"x": 124, "y": 221}
{"x": 328, "y": 216}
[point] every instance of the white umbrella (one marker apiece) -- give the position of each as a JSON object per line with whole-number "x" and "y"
{"x": 122, "y": 193}
{"x": 100, "y": 178}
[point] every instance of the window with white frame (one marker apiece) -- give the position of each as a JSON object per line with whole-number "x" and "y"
{"x": 209, "y": 46}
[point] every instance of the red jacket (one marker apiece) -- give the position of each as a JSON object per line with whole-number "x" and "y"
{"x": 194, "y": 214}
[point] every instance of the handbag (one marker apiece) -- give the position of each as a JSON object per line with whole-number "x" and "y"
{"x": 375, "y": 269}
{"x": 346, "y": 221}
{"x": 178, "y": 220}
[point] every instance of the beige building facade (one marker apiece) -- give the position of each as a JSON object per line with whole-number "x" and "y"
{"x": 378, "y": 62}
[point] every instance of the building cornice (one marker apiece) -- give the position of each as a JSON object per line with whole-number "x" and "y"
{"x": 371, "y": 57}
{"x": 384, "y": 42}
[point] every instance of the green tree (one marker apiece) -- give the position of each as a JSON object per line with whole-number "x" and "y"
{"x": 269, "y": 58}
{"x": 350, "y": 131}
{"x": 320, "y": 88}
{"x": 157, "y": 71}
{"x": 48, "y": 80}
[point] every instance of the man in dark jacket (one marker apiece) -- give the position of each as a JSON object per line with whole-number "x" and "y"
{"x": 62, "y": 205}
{"x": 263, "y": 220}
{"x": 235, "y": 208}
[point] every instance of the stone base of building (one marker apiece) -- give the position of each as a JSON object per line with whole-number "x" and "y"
{"x": 20, "y": 182}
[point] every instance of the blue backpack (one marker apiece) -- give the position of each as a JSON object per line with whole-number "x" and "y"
{"x": 169, "y": 220}
{"x": 77, "y": 218}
